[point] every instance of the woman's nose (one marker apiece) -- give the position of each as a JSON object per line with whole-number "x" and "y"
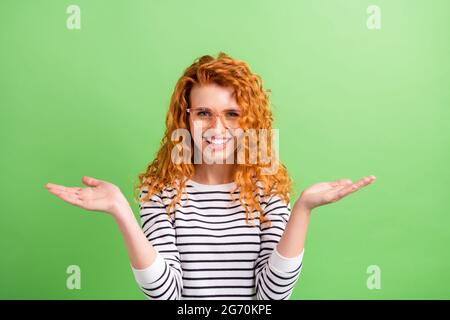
{"x": 218, "y": 123}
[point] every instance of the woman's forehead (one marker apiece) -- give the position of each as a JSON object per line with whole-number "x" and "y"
{"x": 213, "y": 96}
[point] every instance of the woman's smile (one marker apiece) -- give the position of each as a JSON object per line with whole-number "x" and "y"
{"x": 217, "y": 143}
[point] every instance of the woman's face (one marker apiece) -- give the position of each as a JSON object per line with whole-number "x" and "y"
{"x": 216, "y": 142}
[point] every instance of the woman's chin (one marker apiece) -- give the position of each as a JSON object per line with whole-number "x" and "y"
{"x": 211, "y": 156}
{"x": 216, "y": 157}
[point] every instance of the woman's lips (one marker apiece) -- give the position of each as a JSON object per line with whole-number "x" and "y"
{"x": 217, "y": 143}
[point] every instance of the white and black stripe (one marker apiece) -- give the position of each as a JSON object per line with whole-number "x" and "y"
{"x": 206, "y": 250}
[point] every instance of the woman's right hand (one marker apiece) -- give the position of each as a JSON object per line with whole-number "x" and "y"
{"x": 104, "y": 196}
{"x": 98, "y": 196}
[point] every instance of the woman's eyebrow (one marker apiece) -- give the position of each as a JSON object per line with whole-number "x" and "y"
{"x": 226, "y": 109}
{"x": 201, "y": 107}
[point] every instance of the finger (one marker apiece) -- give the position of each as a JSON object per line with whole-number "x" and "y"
{"x": 68, "y": 197}
{"x": 365, "y": 181}
{"x": 341, "y": 182}
{"x": 54, "y": 187}
{"x": 71, "y": 198}
{"x": 355, "y": 186}
{"x": 57, "y": 192}
{"x": 344, "y": 182}
{"x": 92, "y": 182}
{"x": 342, "y": 191}
{"x": 71, "y": 191}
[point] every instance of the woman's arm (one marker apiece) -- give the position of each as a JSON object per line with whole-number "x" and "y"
{"x": 292, "y": 241}
{"x": 140, "y": 250}
{"x": 106, "y": 197}
{"x": 275, "y": 274}
{"x": 157, "y": 271}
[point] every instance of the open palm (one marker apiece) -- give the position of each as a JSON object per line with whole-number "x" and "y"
{"x": 327, "y": 192}
{"x": 98, "y": 196}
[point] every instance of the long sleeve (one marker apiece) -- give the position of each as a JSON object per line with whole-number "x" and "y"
{"x": 162, "y": 280}
{"x": 276, "y": 275}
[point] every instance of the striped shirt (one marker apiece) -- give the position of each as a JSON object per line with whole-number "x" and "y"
{"x": 206, "y": 250}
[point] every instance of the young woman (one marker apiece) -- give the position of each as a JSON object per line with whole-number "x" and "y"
{"x": 214, "y": 226}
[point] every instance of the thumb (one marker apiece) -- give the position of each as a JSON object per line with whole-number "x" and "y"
{"x": 89, "y": 181}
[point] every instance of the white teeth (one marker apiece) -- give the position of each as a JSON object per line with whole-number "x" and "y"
{"x": 218, "y": 141}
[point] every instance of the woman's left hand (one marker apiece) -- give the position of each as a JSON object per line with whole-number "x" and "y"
{"x": 327, "y": 192}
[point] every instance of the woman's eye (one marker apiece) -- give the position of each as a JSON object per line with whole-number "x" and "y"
{"x": 232, "y": 114}
{"x": 203, "y": 113}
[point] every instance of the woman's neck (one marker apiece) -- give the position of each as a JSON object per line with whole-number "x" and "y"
{"x": 214, "y": 173}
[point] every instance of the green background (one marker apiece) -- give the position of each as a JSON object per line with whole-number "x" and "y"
{"x": 348, "y": 101}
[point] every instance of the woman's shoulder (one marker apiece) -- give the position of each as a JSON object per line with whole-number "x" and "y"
{"x": 268, "y": 195}
{"x": 156, "y": 195}
{"x": 163, "y": 195}
{"x": 263, "y": 189}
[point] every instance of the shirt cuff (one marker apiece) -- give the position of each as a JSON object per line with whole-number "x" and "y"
{"x": 152, "y": 272}
{"x": 284, "y": 264}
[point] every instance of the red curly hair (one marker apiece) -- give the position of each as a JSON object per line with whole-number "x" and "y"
{"x": 253, "y": 100}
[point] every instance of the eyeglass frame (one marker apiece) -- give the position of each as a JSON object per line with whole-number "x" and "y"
{"x": 216, "y": 114}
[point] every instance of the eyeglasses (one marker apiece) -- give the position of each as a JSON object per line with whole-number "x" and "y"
{"x": 206, "y": 117}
